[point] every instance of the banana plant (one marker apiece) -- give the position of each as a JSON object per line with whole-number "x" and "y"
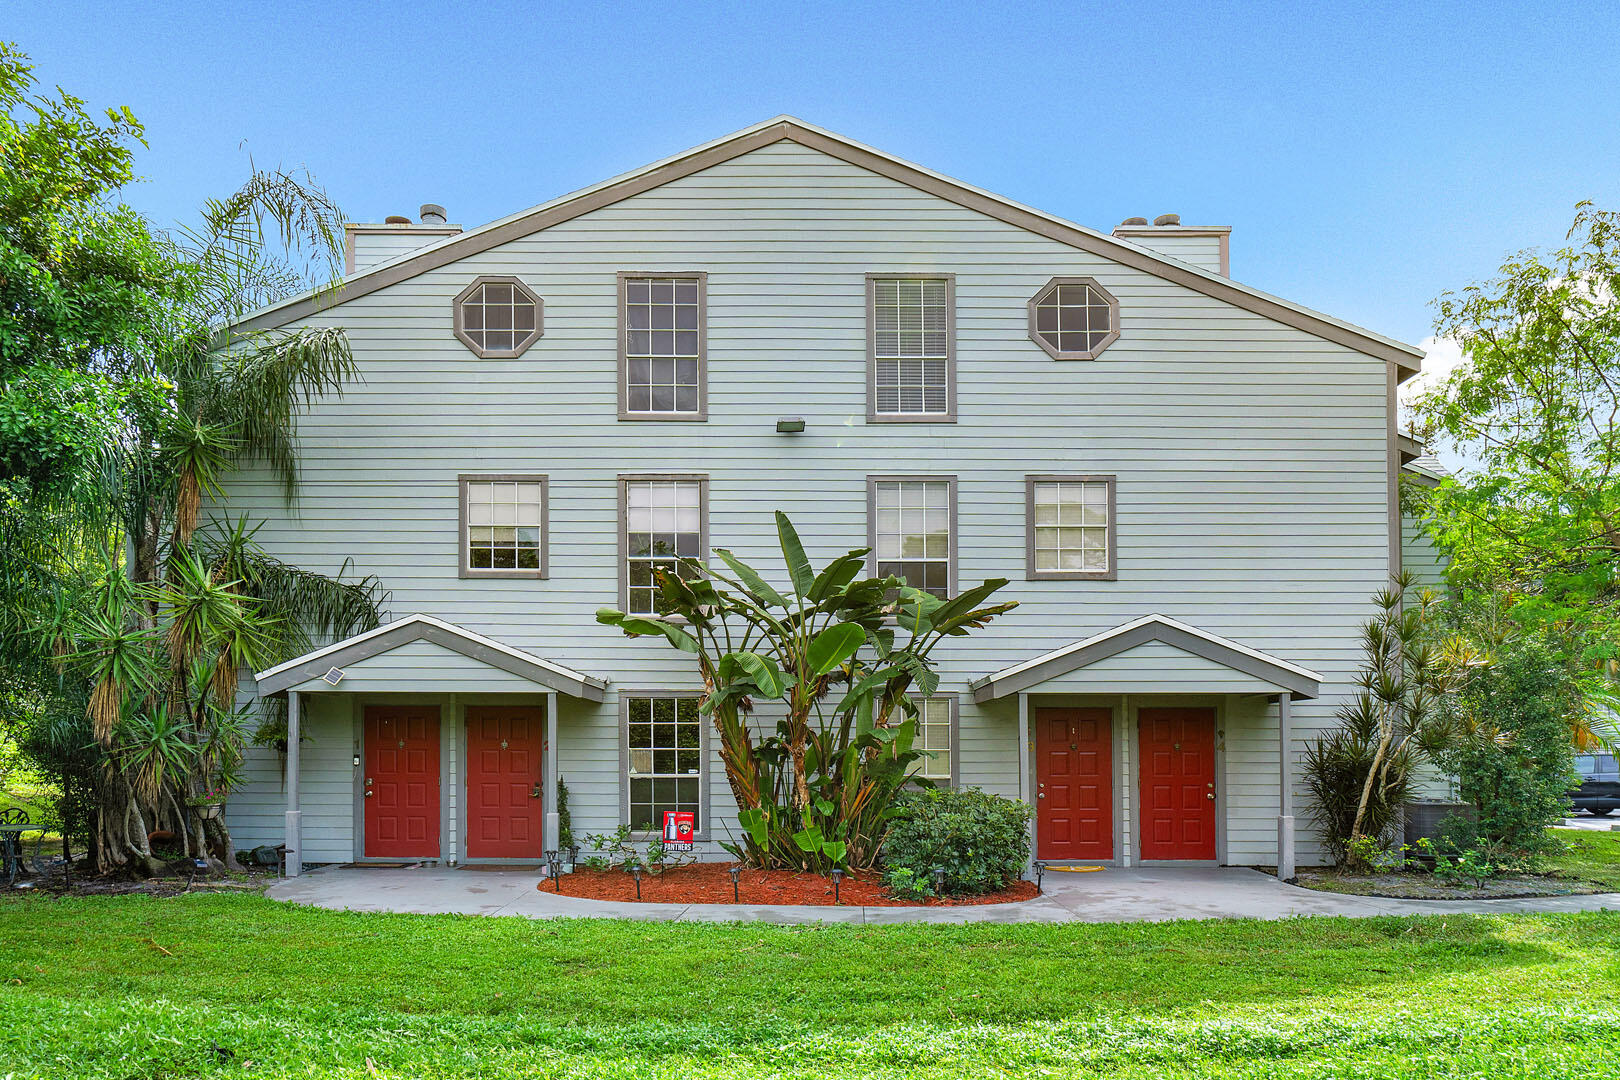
{"x": 837, "y": 656}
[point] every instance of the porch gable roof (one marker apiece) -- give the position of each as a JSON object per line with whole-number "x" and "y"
{"x": 1270, "y": 670}
{"x": 419, "y": 627}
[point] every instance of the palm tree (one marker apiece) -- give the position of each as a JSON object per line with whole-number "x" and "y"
{"x": 179, "y": 605}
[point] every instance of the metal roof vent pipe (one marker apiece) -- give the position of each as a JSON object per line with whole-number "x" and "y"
{"x": 1167, "y": 219}
{"x": 433, "y": 214}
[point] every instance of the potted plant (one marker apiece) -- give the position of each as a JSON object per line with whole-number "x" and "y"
{"x": 208, "y": 803}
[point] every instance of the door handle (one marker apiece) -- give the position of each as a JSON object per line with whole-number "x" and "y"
{"x": 1211, "y": 795}
{"x": 369, "y": 793}
{"x": 1042, "y": 795}
{"x": 534, "y": 792}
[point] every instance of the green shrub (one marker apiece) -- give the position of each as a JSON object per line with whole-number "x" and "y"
{"x": 1334, "y": 768}
{"x": 980, "y": 840}
{"x": 1518, "y": 765}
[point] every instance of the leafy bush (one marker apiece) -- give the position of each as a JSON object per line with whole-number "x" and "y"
{"x": 565, "y": 819}
{"x": 1518, "y": 765}
{"x": 1335, "y": 769}
{"x": 980, "y": 840}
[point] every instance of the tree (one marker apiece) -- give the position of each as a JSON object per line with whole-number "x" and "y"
{"x": 1360, "y": 773}
{"x": 1535, "y": 406}
{"x": 1520, "y": 706}
{"x": 818, "y": 792}
{"x": 127, "y": 397}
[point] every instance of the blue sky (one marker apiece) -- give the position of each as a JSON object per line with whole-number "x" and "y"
{"x": 1367, "y": 156}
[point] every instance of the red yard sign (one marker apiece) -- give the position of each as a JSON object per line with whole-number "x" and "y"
{"x": 679, "y": 825}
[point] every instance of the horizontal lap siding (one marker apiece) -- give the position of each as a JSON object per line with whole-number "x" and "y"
{"x": 256, "y": 813}
{"x": 1249, "y": 455}
{"x": 422, "y": 667}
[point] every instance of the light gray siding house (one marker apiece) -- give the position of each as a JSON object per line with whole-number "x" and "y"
{"x": 1189, "y": 482}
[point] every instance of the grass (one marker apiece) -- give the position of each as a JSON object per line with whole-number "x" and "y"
{"x": 141, "y": 987}
{"x": 1592, "y": 856}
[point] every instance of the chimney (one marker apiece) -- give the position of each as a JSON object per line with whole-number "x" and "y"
{"x": 366, "y": 246}
{"x": 1208, "y": 247}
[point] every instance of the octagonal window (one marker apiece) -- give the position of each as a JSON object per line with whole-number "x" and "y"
{"x": 498, "y": 317}
{"x": 1074, "y": 318}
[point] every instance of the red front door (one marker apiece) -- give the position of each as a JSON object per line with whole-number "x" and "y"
{"x": 1074, "y": 800}
{"x": 505, "y": 813}
{"x": 402, "y": 781}
{"x": 1178, "y": 783}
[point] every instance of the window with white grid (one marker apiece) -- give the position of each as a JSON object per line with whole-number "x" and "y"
{"x": 911, "y": 532}
{"x": 504, "y": 521}
{"x": 1071, "y": 526}
{"x": 497, "y": 317}
{"x": 933, "y": 739}
{"x": 663, "y": 760}
{"x": 663, "y": 523}
{"x": 911, "y": 346}
{"x": 661, "y": 321}
{"x": 1074, "y": 318}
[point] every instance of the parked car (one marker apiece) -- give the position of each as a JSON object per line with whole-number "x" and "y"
{"x": 1600, "y": 783}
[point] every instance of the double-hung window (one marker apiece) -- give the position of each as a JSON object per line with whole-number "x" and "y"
{"x": 665, "y": 747}
{"x": 912, "y": 530}
{"x": 1070, "y": 528}
{"x": 911, "y": 348}
{"x": 503, "y": 525}
{"x": 935, "y": 725}
{"x": 662, "y": 520}
{"x": 662, "y": 352}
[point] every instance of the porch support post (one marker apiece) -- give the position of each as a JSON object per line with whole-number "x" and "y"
{"x": 1285, "y": 802}
{"x": 549, "y": 788}
{"x": 295, "y": 840}
{"x": 1026, "y": 778}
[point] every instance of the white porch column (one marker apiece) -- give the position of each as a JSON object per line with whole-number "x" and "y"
{"x": 1285, "y": 803}
{"x": 1026, "y": 778}
{"x": 549, "y": 787}
{"x": 295, "y": 841}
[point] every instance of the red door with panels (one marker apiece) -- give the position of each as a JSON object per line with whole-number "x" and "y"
{"x": 402, "y": 781}
{"x": 1178, "y": 783}
{"x": 505, "y": 810}
{"x": 1074, "y": 793}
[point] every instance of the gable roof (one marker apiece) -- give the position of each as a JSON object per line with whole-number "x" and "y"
{"x": 608, "y": 192}
{"x": 420, "y": 627}
{"x": 1299, "y": 681}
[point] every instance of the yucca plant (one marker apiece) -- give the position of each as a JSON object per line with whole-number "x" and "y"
{"x": 839, "y": 656}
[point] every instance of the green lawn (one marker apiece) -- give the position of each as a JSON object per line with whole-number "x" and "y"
{"x": 1593, "y": 856}
{"x": 140, "y": 987}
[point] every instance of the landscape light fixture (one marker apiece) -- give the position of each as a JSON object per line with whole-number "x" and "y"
{"x": 1040, "y": 872}
{"x": 939, "y": 881}
{"x": 789, "y": 425}
{"x": 838, "y": 877}
{"x": 573, "y": 857}
{"x": 635, "y": 872}
{"x": 734, "y": 871}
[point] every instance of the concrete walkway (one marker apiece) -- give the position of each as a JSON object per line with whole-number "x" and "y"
{"x": 1135, "y": 895}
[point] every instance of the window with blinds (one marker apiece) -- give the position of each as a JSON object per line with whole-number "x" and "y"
{"x": 912, "y": 348}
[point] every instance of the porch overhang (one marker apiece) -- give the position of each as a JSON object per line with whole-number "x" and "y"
{"x": 481, "y": 654}
{"x": 1233, "y": 666}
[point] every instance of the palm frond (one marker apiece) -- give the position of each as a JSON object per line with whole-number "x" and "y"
{"x": 259, "y": 386}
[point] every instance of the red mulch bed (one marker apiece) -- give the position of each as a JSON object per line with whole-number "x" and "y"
{"x": 709, "y": 883}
